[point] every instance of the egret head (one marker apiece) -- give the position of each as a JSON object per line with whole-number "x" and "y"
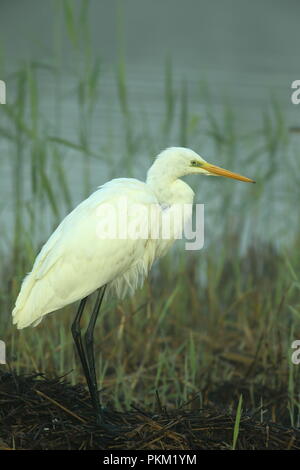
{"x": 180, "y": 161}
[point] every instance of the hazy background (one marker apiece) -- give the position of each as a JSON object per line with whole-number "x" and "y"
{"x": 100, "y": 87}
{"x": 95, "y": 89}
{"x": 246, "y": 49}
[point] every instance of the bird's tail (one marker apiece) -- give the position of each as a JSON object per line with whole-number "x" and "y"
{"x": 30, "y": 306}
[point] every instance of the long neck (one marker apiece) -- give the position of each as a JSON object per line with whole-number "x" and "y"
{"x": 169, "y": 190}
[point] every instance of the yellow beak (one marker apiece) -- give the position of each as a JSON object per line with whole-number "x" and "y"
{"x": 216, "y": 170}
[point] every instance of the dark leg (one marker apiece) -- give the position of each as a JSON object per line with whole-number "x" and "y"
{"x": 86, "y": 355}
{"x": 76, "y": 332}
{"x": 90, "y": 355}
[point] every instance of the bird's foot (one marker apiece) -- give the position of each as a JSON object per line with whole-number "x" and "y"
{"x": 102, "y": 421}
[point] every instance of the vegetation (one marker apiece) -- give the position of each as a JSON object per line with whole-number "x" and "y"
{"x": 204, "y": 320}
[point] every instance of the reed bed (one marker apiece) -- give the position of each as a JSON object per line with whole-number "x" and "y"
{"x": 225, "y": 315}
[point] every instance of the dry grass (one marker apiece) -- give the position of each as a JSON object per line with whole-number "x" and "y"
{"x": 38, "y": 413}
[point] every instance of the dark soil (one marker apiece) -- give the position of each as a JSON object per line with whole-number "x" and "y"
{"x": 41, "y": 413}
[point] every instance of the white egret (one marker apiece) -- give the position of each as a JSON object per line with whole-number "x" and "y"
{"x": 76, "y": 261}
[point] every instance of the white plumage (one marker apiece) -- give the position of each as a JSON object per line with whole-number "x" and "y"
{"x": 75, "y": 261}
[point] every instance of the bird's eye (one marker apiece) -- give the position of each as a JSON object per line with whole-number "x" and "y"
{"x": 193, "y": 163}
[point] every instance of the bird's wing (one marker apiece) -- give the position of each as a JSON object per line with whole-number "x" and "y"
{"x": 75, "y": 260}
